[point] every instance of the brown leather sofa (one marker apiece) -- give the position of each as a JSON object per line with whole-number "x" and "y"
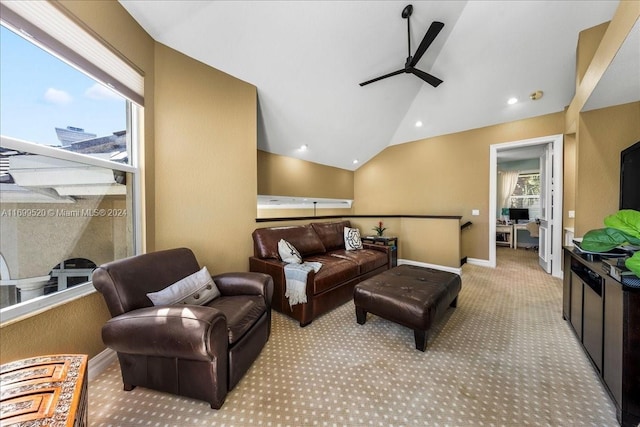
{"x": 322, "y": 242}
{"x": 190, "y": 350}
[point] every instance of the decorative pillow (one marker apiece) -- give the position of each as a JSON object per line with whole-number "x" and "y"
{"x": 197, "y": 289}
{"x": 288, "y": 253}
{"x": 352, "y": 240}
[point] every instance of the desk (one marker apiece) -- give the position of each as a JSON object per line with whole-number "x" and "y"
{"x": 507, "y": 230}
{"x": 45, "y": 391}
{"x": 517, "y": 227}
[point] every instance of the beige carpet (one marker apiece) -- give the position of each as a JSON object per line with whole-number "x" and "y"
{"x": 504, "y": 356}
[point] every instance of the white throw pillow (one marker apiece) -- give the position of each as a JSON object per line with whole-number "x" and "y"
{"x": 352, "y": 240}
{"x": 288, "y": 253}
{"x": 197, "y": 289}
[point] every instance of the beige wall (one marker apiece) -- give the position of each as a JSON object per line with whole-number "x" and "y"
{"x": 569, "y": 179}
{"x": 599, "y": 135}
{"x": 426, "y": 240}
{"x": 292, "y": 213}
{"x": 205, "y": 148}
{"x": 603, "y": 134}
{"x": 286, "y": 176}
{"x": 444, "y": 175}
{"x": 73, "y": 327}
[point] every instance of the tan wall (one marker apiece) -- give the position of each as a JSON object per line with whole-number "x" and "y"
{"x": 444, "y": 175}
{"x": 206, "y": 148}
{"x": 599, "y": 135}
{"x": 286, "y": 176}
{"x": 427, "y": 240}
{"x": 75, "y": 327}
{"x": 588, "y": 41}
{"x": 603, "y": 134}
{"x": 569, "y": 179}
{"x": 292, "y": 213}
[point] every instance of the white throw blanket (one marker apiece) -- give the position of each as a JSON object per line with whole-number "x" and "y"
{"x": 296, "y": 277}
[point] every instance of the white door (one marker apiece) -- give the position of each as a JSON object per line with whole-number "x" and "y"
{"x": 546, "y": 208}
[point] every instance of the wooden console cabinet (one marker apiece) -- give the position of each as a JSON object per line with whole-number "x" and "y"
{"x": 605, "y": 315}
{"x": 44, "y": 391}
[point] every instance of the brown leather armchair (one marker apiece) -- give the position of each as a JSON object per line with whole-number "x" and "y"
{"x": 190, "y": 350}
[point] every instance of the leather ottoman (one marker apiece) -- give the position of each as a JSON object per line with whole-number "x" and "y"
{"x": 415, "y": 297}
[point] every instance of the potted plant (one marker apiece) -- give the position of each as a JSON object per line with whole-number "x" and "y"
{"x": 622, "y": 228}
{"x": 379, "y": 228}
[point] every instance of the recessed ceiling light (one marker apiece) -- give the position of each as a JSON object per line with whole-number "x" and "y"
{"x": 355, "y": 161}
{"x": 304, "y": 147}
{"x": 418, "y": 124}
{"x": 512, "y": 101}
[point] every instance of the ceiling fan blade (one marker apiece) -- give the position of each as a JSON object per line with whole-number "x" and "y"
{"x": 428, "y": 38}
{"x": 433, "y": 81}
{"x": 383, "y": 77}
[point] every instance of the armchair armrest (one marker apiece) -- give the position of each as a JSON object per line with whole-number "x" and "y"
{"x": 182, "y": 331}
{"x": 245, "y": 283}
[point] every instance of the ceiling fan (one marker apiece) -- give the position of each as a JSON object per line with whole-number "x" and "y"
{"x": 409, "y": 66}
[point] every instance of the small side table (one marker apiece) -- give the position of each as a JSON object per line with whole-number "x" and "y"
{"x": 44, "y": 391}
{"x": 391, "y": 241}
{"x": 507, "y": 231}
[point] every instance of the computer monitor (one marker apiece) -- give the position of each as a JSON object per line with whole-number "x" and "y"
{"x": 518, "y": 214}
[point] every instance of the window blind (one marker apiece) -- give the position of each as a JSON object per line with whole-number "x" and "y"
{"x": 49, "y": 27}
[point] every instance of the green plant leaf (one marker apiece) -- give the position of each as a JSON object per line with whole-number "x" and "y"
{"x": 626, "y": 220}
{"x": 633, "y": 263}
{"x": 603, "y": 239}
{"x": 633, "y": 240}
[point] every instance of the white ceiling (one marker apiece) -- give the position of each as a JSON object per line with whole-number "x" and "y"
{"x": 307, "y": 57}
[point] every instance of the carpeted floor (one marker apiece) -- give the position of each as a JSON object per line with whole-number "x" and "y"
{"x": 504, "y": 356}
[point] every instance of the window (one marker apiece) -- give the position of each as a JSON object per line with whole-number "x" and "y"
{"x": 69, "y": 180}
{"x": 527, "y": 194}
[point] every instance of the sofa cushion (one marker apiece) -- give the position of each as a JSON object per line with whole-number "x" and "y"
{"x": 241, "y": 311}
{"x": 366, "y": 259}
{"x": 334, "y": 272}
{"x": 331, "y": 233}
{"x": 288, "y": 253}
{"x": 305, "y": 240}
{"x": 352, "y": 241}
{"x": 196, "y": 289}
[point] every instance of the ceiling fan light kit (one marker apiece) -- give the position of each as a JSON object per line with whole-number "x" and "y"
{"x": 409, "y": 66}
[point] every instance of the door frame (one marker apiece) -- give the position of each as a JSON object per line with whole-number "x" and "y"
{"x": 557, "y": 142}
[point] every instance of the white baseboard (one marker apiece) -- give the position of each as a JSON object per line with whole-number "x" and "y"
{"x": 480, "y": 262}
{"x": 457, "y": 271}
{"x": 100, "y": 362}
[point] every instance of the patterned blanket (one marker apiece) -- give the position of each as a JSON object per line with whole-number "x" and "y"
{"x": 296, "y": 277}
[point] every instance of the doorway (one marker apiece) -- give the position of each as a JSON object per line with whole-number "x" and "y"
{"x": 551, "y": 164}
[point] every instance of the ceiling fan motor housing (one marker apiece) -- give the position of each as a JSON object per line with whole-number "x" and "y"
{"x": 412, "y": 60}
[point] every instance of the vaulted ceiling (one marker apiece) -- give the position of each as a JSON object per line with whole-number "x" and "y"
{"x": 307, "y": 58}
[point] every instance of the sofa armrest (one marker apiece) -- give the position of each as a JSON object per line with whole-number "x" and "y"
{"x": 181, "y": 331}
{"x": 245, "y": 283}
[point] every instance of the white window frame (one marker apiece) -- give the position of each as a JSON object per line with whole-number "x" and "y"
{"x": 129, "y": 82}
{"x": 37, "y": 305}
{"x": 526, "y": 172}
